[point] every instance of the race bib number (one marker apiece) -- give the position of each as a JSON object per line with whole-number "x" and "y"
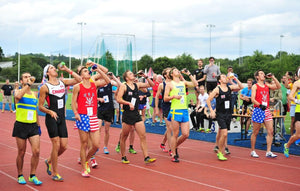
{"x": 60, "y": 103}
{"x": 264, "y": 103}
{"x": 89, "y": 111}
{"x": 133, "y": 100}
{"x": 182, "y": 100}
{"x": 227, "y": 104}
{"x": 106, "y": 99}
{"x": 30, "y": 115}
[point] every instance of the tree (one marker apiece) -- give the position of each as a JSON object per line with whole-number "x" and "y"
{"x": 146, "y": 61}
{"x": 1, "y": 54}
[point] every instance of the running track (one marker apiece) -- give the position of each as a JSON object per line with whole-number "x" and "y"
{"x": 198, "y": 169}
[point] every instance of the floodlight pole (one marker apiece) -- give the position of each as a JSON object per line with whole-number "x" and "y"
{"x": 210, "y": 26}
{"x": 81, "y": 23}
{"x": 281, "y": 36}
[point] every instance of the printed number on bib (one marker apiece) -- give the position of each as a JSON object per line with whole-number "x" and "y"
{"x": 133, "y": 100}
{"x": 89, "y": 111}
{"x": 264, "y": 103}
{"x": 60, "y": 103}
{"x": 182, "y": 100}
{"x": 106, "y": 99}
{"x": 227, "y": 104}
{"x": 30, "y": 115}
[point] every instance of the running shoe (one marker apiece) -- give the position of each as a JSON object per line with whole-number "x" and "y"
{"x": 254, "y": 155}
{"x": 148, "y": 160}
{"x": 201, "y": 130}
{"x": 48, "y": 167}
{"x": 175, "y": 159}
{"x": 117, "y": 148}
{"x": 161, "y": 124}
{"x": 87, "y": 167}
{"x": 94, "y": 163}
{"x": 105, "y": 150}
{"x": 221, "y": 156}
{"x": 163, "y": 148}
{"x": 124, "y": 160}
{"x": 270, "y": 155}
{"x": 57, "y": 178}
{"x": 152, "y": 124}
{"x": 227, "y": 152}
{"x": 170, "y": 152}
{"x": 79, "y": 160}
{"x": 207, "y": 131}
{"x": 132, "y": 151}
{"x": 216, "y": 149}
{"x": 35, "y": 180}
{"x": 286, "y": 151}
{"x": 21, "y": 180}
{"x": 85, "y": 174}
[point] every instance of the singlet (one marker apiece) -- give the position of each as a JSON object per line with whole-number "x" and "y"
{"x": 297, "y": 110}
{"x": 105, "y": 93}
{"x": 165, "y": 105}
{"x": 87, "y": 100}
{"x": 131, "y": 96}
{"x": 223, "y": 105}
{"x": 262, "y": 95}
{"x": 26, "y": 109}
{"x": 56, "y": 98}
{"x": 178, "y": 89}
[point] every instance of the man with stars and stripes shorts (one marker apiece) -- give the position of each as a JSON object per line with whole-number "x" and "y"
{"x": 87, "y": 123}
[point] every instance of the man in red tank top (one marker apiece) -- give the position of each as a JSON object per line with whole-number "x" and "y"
{"x": 261, "y": 113}
{"x": 84, "y": 106}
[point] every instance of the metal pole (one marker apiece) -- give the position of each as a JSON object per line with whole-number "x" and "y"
{"x": 81, "y": 23}
{"x": 19, "y": 60}
{"x": 281, "y": 36}
{"x": 70, "y": 57}
{"x": 210, "y": 26}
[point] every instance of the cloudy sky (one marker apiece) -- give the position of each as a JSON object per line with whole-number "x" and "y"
{"x": 180, "y": 26}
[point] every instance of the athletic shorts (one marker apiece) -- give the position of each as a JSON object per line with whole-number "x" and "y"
{"x": 159, "y": 103}
{"x": 106, "y": 115}
{"x": 56, "y": 128}
{"x": 259, "y": 116}
{"x": 6, "y": 99}
{"x": 179, "y": 115}
{"x": 166, "y": 113}
{"x": 297, "y": 117}
{"x": 292, "y": 110}
{"x": 87, "y": 123}
{"x": 224, "y": 121}
{"x": 131, "y": 117}
{"x": 25, "y": 130}
{"x": 142, "y": 106}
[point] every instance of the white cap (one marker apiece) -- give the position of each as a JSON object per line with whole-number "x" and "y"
{"x": 298, "y": 73}
{"x": 46, "y": 69}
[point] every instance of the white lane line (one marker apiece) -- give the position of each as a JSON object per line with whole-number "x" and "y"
{"x": 9, "y": 176}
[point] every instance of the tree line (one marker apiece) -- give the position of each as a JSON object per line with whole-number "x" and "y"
{"x": 278, "y": 65}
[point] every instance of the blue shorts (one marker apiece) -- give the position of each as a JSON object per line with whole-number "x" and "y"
{"x": 179, "y": 115}
{"x": 292, "y": 110}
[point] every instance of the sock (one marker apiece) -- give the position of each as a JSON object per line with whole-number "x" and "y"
{"x": 32, "y": 175}
{"x": 146, "y": 158}
{"x": 20, "y": 175}
{"x": 131, "y": 146}
{"x": 162, "y": 144}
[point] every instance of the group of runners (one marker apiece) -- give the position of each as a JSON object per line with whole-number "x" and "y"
{"x": 92, "y": 104}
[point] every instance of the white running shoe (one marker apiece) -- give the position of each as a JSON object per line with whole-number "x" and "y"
{"x": 254, "y": 155}
{"x": 270, "y": 155}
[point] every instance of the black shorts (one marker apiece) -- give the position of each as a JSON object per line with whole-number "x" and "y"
{"x": 106, "y": 115}
{"x": 285, "y": 108}
{"x": 297, "y": 117}
{"x": 131, "y": 117}
{"x": 211, "y": 86}
{"x": 56, "y": 128}
{"x": 166, "y": 113}
{"x": 159, "y": 103}
{"x": 25, "y": 130}
{"x": 224, "y": 121}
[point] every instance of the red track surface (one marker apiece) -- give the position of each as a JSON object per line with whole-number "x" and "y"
{"x": 198, "y": 169}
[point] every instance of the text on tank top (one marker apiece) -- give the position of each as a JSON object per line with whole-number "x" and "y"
{"x": 105, "y": 93}
{"x": 262, "y": 95}
{"x": 132, "y": 96}
{"x": 178, "y": 89}
{"x": 56, "y": 98}
{"x": 223, "y": 100}
{"x": 87, "y": 100}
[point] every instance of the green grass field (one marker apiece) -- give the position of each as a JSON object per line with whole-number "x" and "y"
{"x": 190, "y": 96}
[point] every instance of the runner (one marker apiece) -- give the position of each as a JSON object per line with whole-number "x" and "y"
{"x": 223, "y": 113}
{"x": 296, "y": 136}
{"x": 179, "y": 116}
{"x": 261, "y": 113}
{"x": 54, "y": 92}
{"x": 128, "y": 96}
{"x": 84, "y": 106}
{"x": 165, "y": 109}
{"x": 27, "y": 126}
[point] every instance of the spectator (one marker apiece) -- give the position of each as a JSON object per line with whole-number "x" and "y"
{"x": 6, "y": 95}
{"x": 234, "y": 94}
{"x": 245, "y": 96}
{"x": 212, "y": 71}
{"x": 199, "y": 76}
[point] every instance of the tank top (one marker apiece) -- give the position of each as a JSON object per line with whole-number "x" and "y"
{"x": 105, "y": 93}
{"x": 26, "y": 109}
{"x": 297, "y": 110}
{"x": 56, "y": 98}
{"x": 178, "y": 89}
{"x": 165, "y": 105}
{"x": 87, "y": 100}
{"x": 131, "y": 96}
{"x": 262, "y": 95}
{"x": 223, "y": 105}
